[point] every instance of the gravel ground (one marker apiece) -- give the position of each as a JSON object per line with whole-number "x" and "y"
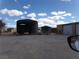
{"x": 36, "y": 47}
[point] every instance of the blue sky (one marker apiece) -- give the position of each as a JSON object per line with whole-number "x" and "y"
{"x": 46, "y": 12}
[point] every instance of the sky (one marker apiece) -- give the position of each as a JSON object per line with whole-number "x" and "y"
{"x": 46, "y": 12}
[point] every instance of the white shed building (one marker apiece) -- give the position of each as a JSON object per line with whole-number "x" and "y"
{"x": 67, "y": 29}
{"x": 77, "y": 28}
{"x": 70, "y": 29}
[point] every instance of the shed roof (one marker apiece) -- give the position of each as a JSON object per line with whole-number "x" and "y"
{"x": 69, "y": 23}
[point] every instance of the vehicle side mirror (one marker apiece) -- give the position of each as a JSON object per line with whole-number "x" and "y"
{"x": 73, "y": 42}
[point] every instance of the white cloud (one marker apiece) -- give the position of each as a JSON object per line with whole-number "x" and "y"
{"x": 51, "y": 21}
{"x": 61, "y": 12}
{"x": 27, "y": 6}
{"x": 61, "y": 22}
{"x": 73, "y": 20}
{"x": 58, "y": 12}
{"x": 4, "y": 11}
{"x": 25, "y": 12}
{"x": 23, "y": 17}
{"x": 33, "y": 18}
{"x": 10, "y": 25}
{"x": 40, "y": 24}
{"x": 46, "y": 22}
{"x": 32, "y": 15}
{"x": 60, "y": 15}
{"x": 72, "y": 17}
{"x": 42, "y": 14}
{"x": 67, "y": 14}
{"x": 56, "y": 17}
{"x": 13, "y": 12}
{"x": 54, "y": 13}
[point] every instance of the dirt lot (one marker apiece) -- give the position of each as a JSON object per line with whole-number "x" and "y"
{"x": 36, "y": 47}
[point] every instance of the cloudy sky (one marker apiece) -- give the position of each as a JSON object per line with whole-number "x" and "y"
{"x": 46, "y": 12}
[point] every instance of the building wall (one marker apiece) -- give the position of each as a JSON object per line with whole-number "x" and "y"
{"x": 73, "y": 28}
{"x": 67, "y": 29}
{"x": 77, "y": 28}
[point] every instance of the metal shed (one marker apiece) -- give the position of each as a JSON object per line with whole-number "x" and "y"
{"x": 77, "y": 28}
{"x": 69, "y": 29}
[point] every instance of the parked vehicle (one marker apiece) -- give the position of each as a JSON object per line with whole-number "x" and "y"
{"x": 27, "y": 26}
{"x": 73, "y": 42}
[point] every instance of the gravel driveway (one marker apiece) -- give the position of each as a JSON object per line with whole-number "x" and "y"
{"x": 36, "y": 47}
